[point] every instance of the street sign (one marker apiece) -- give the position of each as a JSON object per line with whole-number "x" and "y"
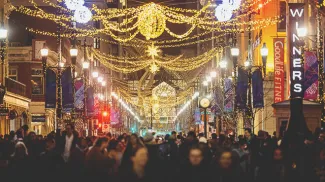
{"x": 4, "y": 111}
{"x": 105, "y": 128}
{"x": 40, "y": 118}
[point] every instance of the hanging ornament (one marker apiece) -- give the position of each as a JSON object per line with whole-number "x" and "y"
{"x": 74, "y": 4}
{"x": 234, "y": 4}
{"x": 152, "y": 22}
{"x": 154, "y": 68}
{"x": 82, "y": 15}
{"x": 153, "y": 51}
{"x": 223, "y": 12}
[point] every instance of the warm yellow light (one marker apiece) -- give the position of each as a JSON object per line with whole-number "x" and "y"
{"x": 153, "y": 51}
{"x": 154, "y": 68}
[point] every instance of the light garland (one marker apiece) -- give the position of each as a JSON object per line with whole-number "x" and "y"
{"x": 196, "y": 94}
{"x": 125, "y": 106}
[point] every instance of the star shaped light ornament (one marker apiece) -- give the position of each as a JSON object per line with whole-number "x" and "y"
{"x": 154, "y": 68}
{"x": 153, "y": 51}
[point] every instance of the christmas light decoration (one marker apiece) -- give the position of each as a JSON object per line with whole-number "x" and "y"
{"x": 152, "y": 22}
{"x": 153, "y": 51}
{"x": 234, "y": 4}
{"x": 74, "y": 4}
{"x": 82, "y": 15}
{"x": 224, "y": 12}
{"x": 154, "y": 68}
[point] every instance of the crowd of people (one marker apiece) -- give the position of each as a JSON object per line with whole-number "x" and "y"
{"x": 173, "y": 157}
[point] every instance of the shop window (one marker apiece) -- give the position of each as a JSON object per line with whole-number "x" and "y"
{"x": 37, "y": 82}
{"x": 13, "y": 73}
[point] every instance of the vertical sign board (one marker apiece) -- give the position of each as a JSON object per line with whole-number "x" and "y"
{"x": 278, "y": 44}
{"x": 296, "y": 19}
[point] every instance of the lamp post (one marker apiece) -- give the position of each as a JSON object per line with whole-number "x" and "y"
{"x": 264, "y": 54}
{"x": 249, "y": 113}
{"x": 223, "y": 66}
{"x": 73, "y": 54}
{"x": 3, "y": 38}
{"x": 44, "y": 54}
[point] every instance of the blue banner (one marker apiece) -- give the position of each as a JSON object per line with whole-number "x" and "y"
{"x": 258, "y": 93}
{"x": 241, "y": 90}
{"x": 67, "y": 90}
{"x": 90, "y": 101}
{"x": 197, "y": 116}
{"x": 79, "y": 96}
{"x": 50, "y": 92}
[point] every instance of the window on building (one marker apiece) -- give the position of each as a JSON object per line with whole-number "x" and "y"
{"x": 96, "y": 43}
{"x": 13, "y": 73}
{"x": 37, "y": 82}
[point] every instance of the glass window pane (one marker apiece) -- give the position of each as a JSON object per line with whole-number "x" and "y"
{"x": 37, "y": 85}
{"x": 37, "y": 72}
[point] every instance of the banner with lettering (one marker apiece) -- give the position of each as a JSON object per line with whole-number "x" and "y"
{"x": 311, "y": 75}
{"x": 79, "y": 95}
{"x": 228, "y": 89}
{"x": 295, "y": 20}
{"x": 241, "y": 91}
{"x": 90, "y": 101}
{"x": 50, "y": 96}
{"x": 197, "y": 116}
{"x": 258, "y": 92}
{"x": 278, "y": 44}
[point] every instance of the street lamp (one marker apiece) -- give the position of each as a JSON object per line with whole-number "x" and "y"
{"x": 44, "y": 54}
{"x": 223, "y": 64}
{"x": 205, "y": 83}
{"x": 3, "y": 32}
{"x": 302, "y": 32}
{"x": 100, "y": 79}
{"x": 247, "y": 63}
{"x": 213, "y": 74}
{"x": 264, "y": 54}
{"x": 208, "y": 79}
{"x": 95, "y": 74}
{"x": 73, "y": 54}
{"x": 85, "y": 65}
{"x": 103, "y": 83}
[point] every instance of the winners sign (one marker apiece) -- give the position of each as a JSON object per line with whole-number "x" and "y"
{"x": 296, "y": 19}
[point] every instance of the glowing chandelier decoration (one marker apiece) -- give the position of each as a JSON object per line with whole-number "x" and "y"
{"x": 74, "y": 4}
{"x": 223, "y": 12}
{"x": 81, "y": 13}
{"x": 152, "y": 22}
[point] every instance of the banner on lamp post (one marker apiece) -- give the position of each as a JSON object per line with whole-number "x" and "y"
{"x": 311, "y": 76}
{"x": 241, "y": 90}
{"x": 79, "y": 95}
{"x": 50, "y": 94}
{"x": 228, "y": 89}
{"x": 67, "y": 90}
{"x": 278, "y": 44}
{"x": 296, "y": 20}
{"x": 258, "y": 92}
{"x": 90, "y": 101}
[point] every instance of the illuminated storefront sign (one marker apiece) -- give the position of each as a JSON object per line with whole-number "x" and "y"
{"x": 296, "y": 19}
